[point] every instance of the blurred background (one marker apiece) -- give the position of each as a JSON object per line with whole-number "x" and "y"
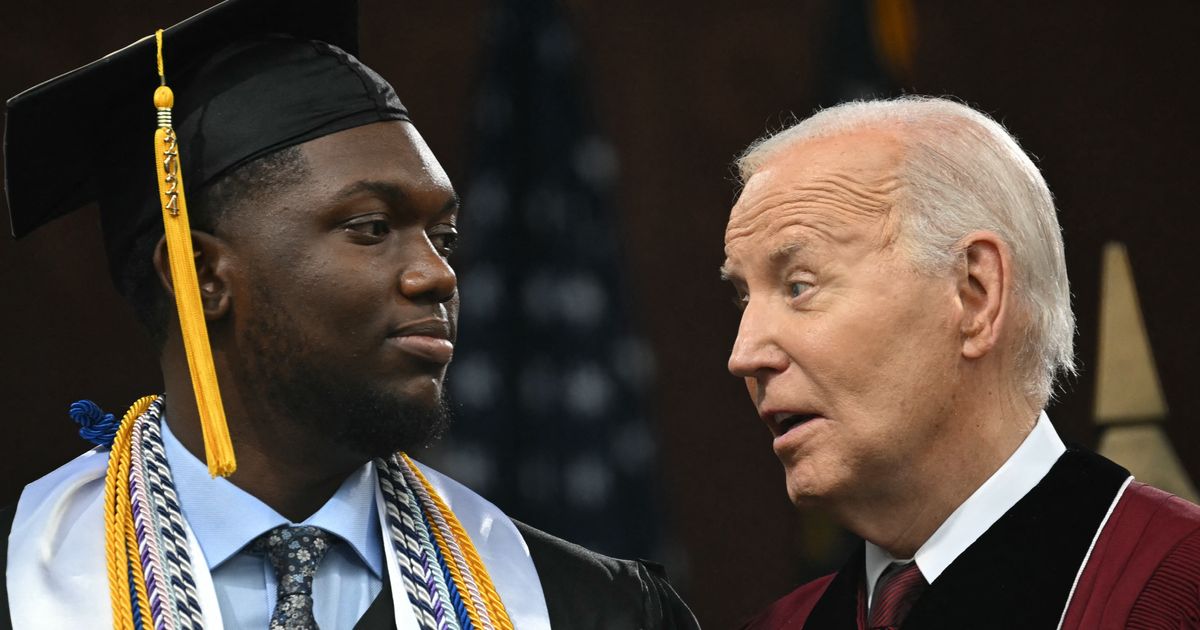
{"x": 591, "y": 142}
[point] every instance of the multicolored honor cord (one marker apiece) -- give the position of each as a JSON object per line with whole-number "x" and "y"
{"x": 150, "y": 570}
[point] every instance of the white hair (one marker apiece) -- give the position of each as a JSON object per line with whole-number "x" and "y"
{"x": 964, "y": 172}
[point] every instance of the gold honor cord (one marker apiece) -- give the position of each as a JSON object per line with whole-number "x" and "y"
{"x": 218, "y": 449}
{"x": 120, "y": 538}
{"x": 490, "y": 598}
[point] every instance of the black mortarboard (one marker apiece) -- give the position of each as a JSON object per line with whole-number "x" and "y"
{"x": 247, "y": 78}
{"x": 79, "y": 137}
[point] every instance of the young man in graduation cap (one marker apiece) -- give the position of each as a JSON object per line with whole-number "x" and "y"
{"x": 905, "y": 311}
{"x": 299, "y": 289}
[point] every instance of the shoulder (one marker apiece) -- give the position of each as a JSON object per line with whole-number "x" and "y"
{"x": 585, "y": 589}
{"x": 1171, "y": 594}
{"x": 1144, "y": 564}
{"x": 1145, "y": 527}
{"x": 491, "y": 530}
{"x": 555, "y": 556}
{"x": 62, "y": 497}
{"x": 1161, "y": 508}
{"x": 792, "y": 609}
{"x": 57, "y": 538}
{"x": 75, "y": 476}
{"x": 1149, "y": 526}
{"x": 582, "y": 589}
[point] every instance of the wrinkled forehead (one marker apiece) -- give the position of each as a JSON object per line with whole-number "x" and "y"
{"x": 848, "y": 179}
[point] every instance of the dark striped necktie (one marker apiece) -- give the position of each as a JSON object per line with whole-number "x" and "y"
{"x": 895, "y": 593}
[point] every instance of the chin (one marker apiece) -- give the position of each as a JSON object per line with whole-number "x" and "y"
{"x": 425, "y": 395}
{"x": 349, "y": 406}
{"x": 804, "y": 499}
{"x": 363, "y": 418}
{"x": 807, "y": 490}
{"x": 387, "y": 424}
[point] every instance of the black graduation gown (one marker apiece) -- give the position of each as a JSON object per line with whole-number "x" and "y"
{"x": 584, "y": 590}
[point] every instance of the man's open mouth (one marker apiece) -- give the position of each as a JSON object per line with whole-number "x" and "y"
{"x": 785, "y": 422}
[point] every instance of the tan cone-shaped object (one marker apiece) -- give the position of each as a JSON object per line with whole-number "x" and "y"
{"x": 1126, "y": 382}
{"x": 1129, "y": 399}
{"x": 1145, "y": 450}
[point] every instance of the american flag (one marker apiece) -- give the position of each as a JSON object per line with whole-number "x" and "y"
{"x": 549, "y": 378}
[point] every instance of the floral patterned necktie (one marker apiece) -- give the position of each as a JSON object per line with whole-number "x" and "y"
{"x": 295, "y": 552}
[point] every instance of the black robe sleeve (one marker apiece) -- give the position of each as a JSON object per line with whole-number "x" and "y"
{"x": 588, "y": 591}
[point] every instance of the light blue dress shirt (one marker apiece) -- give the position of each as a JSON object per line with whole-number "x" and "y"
{"x": 225, "y": 518}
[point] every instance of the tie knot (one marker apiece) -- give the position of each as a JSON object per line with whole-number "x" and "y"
{"x": 295, "y": 552}
{"x": 897, "y": 591}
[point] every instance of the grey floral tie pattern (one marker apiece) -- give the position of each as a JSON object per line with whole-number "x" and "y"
{"x": 295, "y": 552}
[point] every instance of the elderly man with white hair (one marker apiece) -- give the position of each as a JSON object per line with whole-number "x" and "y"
{"x": 905, "y": 311}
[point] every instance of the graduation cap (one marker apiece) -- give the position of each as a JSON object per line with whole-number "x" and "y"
{"x": 249, "y": 77}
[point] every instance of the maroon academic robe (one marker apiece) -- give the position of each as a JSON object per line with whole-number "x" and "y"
{"x": 1142, "y": 572}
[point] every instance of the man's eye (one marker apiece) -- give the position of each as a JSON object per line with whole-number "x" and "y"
{"x": 740, "y": 300}
{"x": 796, "y": 289}
{"x": 376, "y": 228}
{"x": 445, "y": 241}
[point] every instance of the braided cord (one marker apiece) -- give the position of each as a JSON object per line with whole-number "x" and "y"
{"x": 460, "y": 608}
{"x": 460, "y": 574}
{"x": 117, "y": 520}
{"x": 431, "y": 571}
{"x": 408, "y": 547}
{"x": 144, "y": 531}
{"x": 435, "y": 579}
{"x": 141, "y": 599}
{"x": 172, "y": 533}
{"x": 150, "y": 543}
{"x": 444, "y": 517}
{"x": 138, "y": 617}
{"x": 134, "y": 537}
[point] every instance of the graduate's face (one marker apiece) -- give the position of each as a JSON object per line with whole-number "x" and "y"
{"x": 345, "y": 304}
{"x": 847, "y": 351}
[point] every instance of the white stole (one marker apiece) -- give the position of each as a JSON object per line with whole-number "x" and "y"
{"x": 58, "y": 578}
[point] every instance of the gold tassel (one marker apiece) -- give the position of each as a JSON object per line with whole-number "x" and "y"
{"x": 218, "y": 449}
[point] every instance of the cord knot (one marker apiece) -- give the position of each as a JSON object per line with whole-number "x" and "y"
{"x": 95, "y": 426}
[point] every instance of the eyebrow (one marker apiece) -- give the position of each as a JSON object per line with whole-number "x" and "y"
{"x": 392, "y": 194}
{"x": 776, "y": 255}
{"x": 786, "y": 250}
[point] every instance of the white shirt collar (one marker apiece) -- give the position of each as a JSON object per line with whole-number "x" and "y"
{"x": 207, "y": 503}
{"x": 1012, "y": 481}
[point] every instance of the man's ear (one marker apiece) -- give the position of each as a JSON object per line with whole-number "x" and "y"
{"x": 212, "y": 258}
{"x": 984, "y": 290}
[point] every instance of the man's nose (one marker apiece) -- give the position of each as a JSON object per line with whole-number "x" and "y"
{"x": 755, "y": 352}
{"x": 428, "y": 275}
